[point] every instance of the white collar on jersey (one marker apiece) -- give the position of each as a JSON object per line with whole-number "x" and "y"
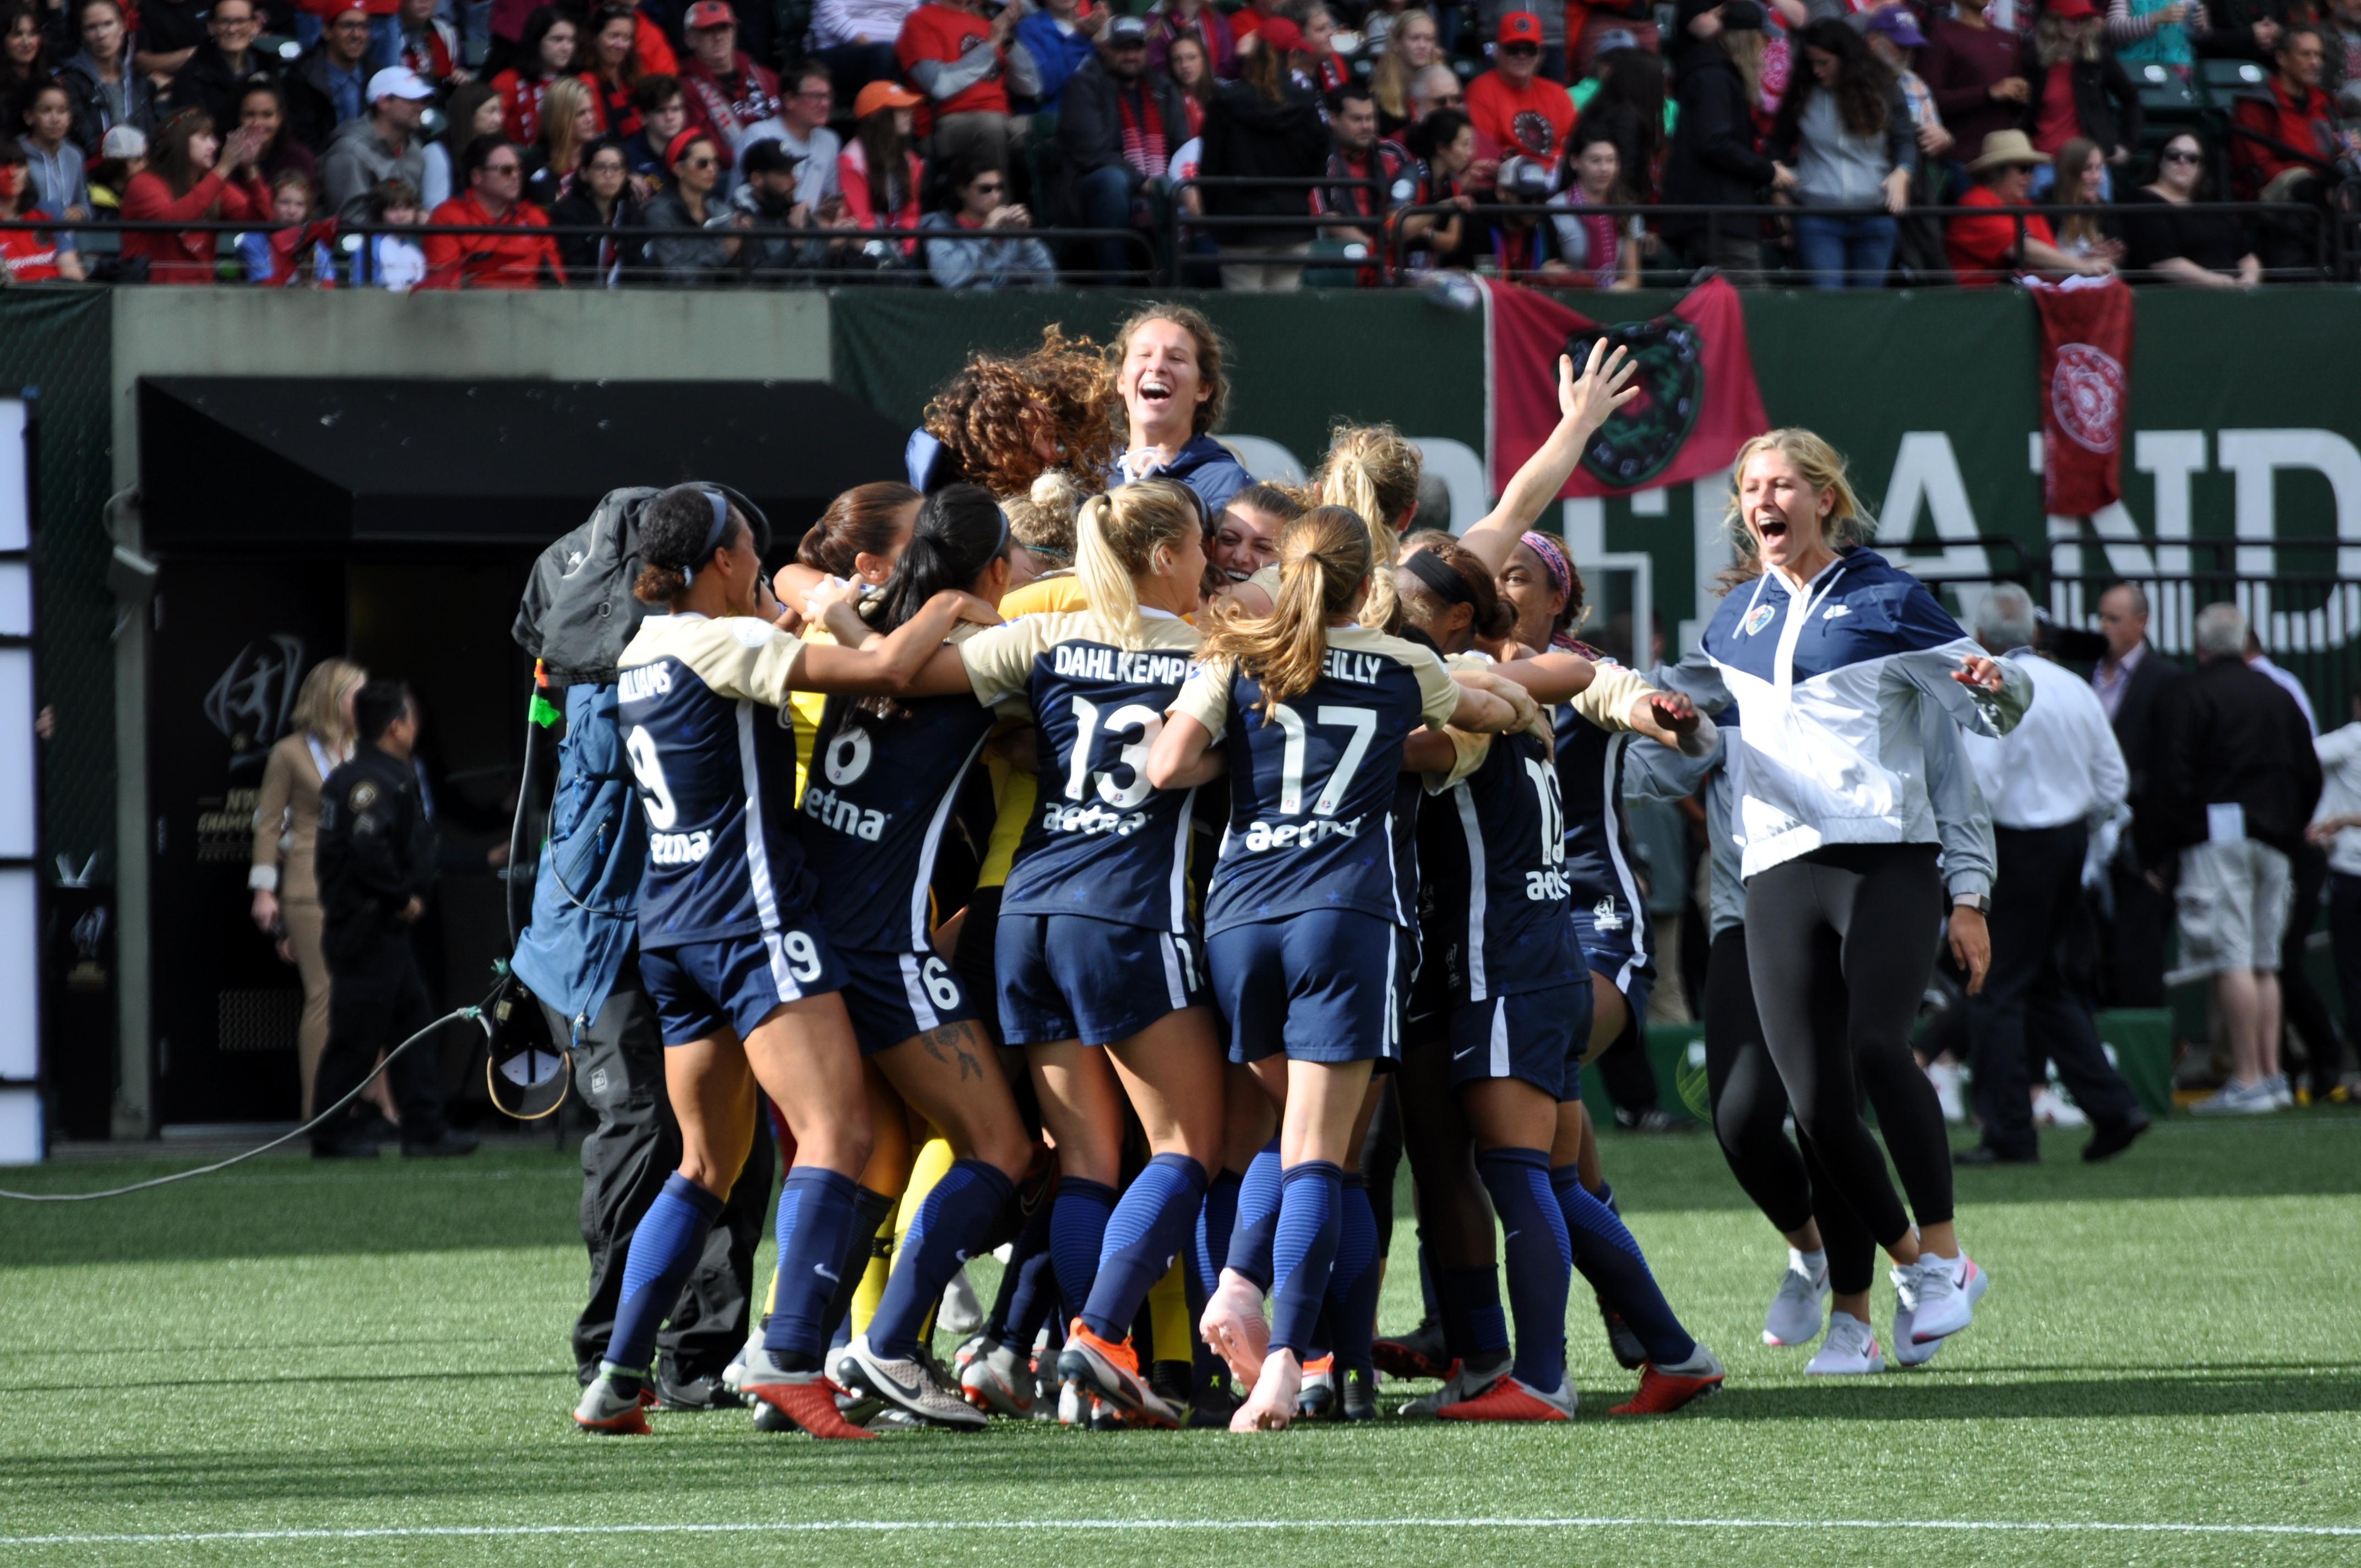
{"x": 1152, "y": 613}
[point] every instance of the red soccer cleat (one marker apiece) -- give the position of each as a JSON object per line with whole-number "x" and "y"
{"x": 808, "y": 1399}
{"x": 1509, "y": 1401}
{"x": 1663, "y": 1391}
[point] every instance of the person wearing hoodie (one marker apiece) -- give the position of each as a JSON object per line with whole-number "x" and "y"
{"x": 1174, "y": 392}
{"x": 1266, "y": 123}
{"x": 107, "y": 91}
{"x": 1715, "y": 160}
{"x": 364, "y": 154}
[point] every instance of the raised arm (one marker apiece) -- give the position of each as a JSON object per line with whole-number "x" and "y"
{"x": 890, "y": 666}
{"x": 1553, "y": 676}
{"x": 1583, "y": 405}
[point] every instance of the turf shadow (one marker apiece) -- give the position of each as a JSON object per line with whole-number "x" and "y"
{"x": 1934, "y": 1396}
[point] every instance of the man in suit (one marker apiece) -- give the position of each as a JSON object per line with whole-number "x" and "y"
{"x": 2133, "y": 682}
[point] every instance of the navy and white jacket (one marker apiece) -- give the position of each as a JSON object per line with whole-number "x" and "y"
{"x": 1839, "y": 682}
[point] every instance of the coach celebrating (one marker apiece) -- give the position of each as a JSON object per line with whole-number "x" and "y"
{"x": 2047, "y": 781}
{"x": 376, "y": 865}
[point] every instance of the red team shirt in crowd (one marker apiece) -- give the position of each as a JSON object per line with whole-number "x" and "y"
{"x": 29, "y": 256}
{"x": 1534, "y": 119}
{"x": 490, "y": 260}
{"x": 1976, "y": 247}
{"x": 938, "y": 32}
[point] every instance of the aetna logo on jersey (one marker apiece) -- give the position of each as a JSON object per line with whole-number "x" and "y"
{"x": 679, "y": 849}
{"x": 1091, "y": 661}
{"x": 1360, "y": 669}
{"x": 1262, "y": 836}
{"x": 823, "y": 808}
{"x": 647, "y": 681}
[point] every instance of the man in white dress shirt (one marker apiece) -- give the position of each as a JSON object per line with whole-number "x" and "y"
{"x": 2048, "y": 782}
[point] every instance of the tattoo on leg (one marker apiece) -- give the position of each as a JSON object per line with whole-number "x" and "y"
{"x": 948, "y": 1045}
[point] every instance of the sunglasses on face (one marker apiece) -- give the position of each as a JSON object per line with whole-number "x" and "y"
{"x": 501, "y": 169}
{"x": 990, "y": 188}
{"x": 2181, "y": 154}
{"x": 1520, "y": 50}
{"x": 707, "y": 162}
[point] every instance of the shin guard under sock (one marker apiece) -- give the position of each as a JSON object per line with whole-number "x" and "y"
{"x": 1540, "y": 1259}
{"x": 665, "y": 1248}
{"x": 1610, "y": 1259}
{"x": 1304, "y": 1250}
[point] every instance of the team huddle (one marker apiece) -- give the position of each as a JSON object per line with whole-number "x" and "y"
{"x": 1128, "y": 884}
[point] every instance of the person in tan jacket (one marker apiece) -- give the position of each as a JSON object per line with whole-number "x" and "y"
{"x": 286, "y": 824}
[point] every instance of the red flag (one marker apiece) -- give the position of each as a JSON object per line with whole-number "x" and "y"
{"x": 2086, "y": 361}
{"x": 1697, "y": 401}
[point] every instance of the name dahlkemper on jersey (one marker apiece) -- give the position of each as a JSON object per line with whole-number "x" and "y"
{"x": 1091, "y": 662}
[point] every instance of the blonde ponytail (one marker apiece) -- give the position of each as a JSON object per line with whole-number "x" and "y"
{"x": 1116, "y": 539}
{"x": 1373, "y": 471}
{"x": 1324, "y": 558}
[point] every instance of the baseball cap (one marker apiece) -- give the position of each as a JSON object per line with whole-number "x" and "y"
{"x": 1741, "y": 17}
{"x": 123, "y": 141}
{"x": 1278, "y": 33}
{"x": 399, "y": 81}
{"x": 1526, "y": 178}
{"x": 710, "y": 14}
{"x": 1519, "y": 27}
{"x": 2073, "y": 10}
{"x": 1896, "y": 23}
{"x": 1614, "y": 39}
{"x": 884, "y": 95}
{"x": 1127, "y": 30}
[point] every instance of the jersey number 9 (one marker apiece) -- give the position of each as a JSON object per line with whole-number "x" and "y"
{"x": 648, "y": 768}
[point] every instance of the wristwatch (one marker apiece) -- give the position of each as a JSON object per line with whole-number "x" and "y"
{"x": 1978, "y": 902}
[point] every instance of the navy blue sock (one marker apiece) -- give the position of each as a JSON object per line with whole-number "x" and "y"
{"x": 1257, "y": 1222}
{"x": 816, "y": 1210}
{"x": 1540, "y": 1259}
{"x": 1304, "y": 1250}
{"x": 1027, "y": 1271}
{"x": 1353, "y": 1283}
{"x": 871, "y": 1210}
{"x": 1427, "y": 1298}
{"x": 1610, "y": 1259}
{"x": 665, "y": 1247}
{"x": 1144, "y": 1234}
{"x": 1472, "y": 1320}
{"x": 1214, "y": 1223}
{"x": 955, "y": 1215}
{"x": 1078, "y": 1226}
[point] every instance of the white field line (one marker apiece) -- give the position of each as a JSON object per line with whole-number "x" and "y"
{"x": 888, "y": 1526}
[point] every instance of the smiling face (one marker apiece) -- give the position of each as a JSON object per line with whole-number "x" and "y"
{"x": 1176, "y": 576}
{"x": 1319, "y": 33}
{"x": 1245, "y": 540}
{"x": 1456, "y": 155}
{"x": 348, "y": 37}
{"x": 615, "y": 43}
{"x": 1597, "y": 167}
{"x": 1161, "y": 383}
{"x": 1785, "y": 512}
{"x": 1526, "y": 583}
{"x": 2090, "y": 177}
{"x": 24, "y": 40}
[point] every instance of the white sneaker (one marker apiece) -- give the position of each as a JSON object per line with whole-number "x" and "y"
{"x": 960, "y": 1312}
{"x": 1465, "y": 1383}
{"x": 2235, "y": 1098}
{"x": 1940, "y": 1293}
{"x": 1001, "y": 1381}
{"x": 1071, "y": 1408}
{"x": 1908, "y": 1351}
{"x": 2282, "y": 1096}
{"x": 2052, "y": 1108}
{"x": 1796, "y": 1311}
{"x": 1946, "y": 1080}
{"x": 910, "y": 1383}
{"x": 1851, "y": 1351}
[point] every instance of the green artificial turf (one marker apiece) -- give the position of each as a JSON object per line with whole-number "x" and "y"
{"x": 2170, "y": 1339}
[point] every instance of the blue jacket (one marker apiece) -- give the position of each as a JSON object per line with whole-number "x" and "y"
{"x": 586, "y": 899}
{"x": 1055, "y": 52}
{"x": 1204, "y": 466}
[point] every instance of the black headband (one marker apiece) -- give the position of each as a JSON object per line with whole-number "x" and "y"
{"x": 713, "y": 535}
{"x": 1440, "y": 575}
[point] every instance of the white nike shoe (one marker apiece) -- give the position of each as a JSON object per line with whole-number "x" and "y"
{"x": 1946, "y": 1080}
{"x": 2235, "y": 1098}
{"x": 1940, "y": 1293}
{"x": 909, "y": 1384}
{"x": 1908, "y": 1351}
{"x": 2052, "y": 1108}
{"x": 1851, "y": 1351}
{"x": 2282, "y": 1096}
{"x": 1797, "y": 1310}
{"x": 960, "y": 1312}
{"x": 1001, "y": 1381}
{"x": 1463, "y": 1383}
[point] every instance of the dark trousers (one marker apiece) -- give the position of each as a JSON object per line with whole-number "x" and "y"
{"x": 619, "y": 1071}
{"x": 377, "y": 1001}
{"x": 2136, "y": 939}
{"x": 2028, "y": 996}
{"x": 2300, "y": 1003}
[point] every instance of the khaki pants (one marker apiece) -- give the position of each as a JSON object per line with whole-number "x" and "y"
{"x": 1268, "y": 277}
{"x": 994, "y": 138}
{"x": 306, "y": 926}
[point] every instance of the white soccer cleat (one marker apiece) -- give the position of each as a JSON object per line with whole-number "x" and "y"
{"x": 1852, "y": 1350}
{"x": 1797, "y": 1310}
{"x": 1001, "y": 1382}
{"x": 910, "y": 1384}
{"x": 2052, "y": 1108}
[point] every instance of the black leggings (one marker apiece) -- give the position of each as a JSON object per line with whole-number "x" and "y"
{"x": 1750, "y": 1114}
{"x": 1839, "y": 944}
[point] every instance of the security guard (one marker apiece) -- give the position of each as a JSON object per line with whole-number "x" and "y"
{"x": 376, "y": 865}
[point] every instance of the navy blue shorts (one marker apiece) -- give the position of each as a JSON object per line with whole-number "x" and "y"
{"x": 1609, "y": 951}
{"x": 735, "y": 983}
{"x": 1536, "y": 1035}
{"x": 1070, "y": 977}
{"x": 1325, "y": 986}
{"x": 893, "y": 996}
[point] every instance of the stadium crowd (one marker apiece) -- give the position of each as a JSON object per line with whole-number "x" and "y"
{"x": 749, "y": 142}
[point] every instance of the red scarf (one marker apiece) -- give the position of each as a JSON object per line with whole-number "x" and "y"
{"x": 1143, "y": 134}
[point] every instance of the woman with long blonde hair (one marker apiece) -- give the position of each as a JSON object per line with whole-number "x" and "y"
{"x": 286, "y": 904}
{"x": 1304, "y": 920}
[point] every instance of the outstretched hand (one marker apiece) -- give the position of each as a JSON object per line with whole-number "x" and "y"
{"x": 1979, "y": 672}
{"x": 1675, "y": 712}
{"x": 1604, "y": 386}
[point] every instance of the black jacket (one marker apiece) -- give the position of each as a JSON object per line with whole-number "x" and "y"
{"x": 91, "y": 119}
{"x": 1090, "y": 117}
{"x": 376, "y": 851}
{"x": 2104, "y": 99}
{"x": 2231, "y": 735}
{"x": 581, "y": 252}
{"x": 2140, "y": 731}
{"x": 1714, "y": 160}
{"x": 207, "y": 82}
{"x": 310, "y": 108}
{"x": 1247, "y": 133}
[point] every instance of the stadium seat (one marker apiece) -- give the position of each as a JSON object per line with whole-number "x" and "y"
{"x": 2226, "y": 78}
{"x": 2165, "y": 93}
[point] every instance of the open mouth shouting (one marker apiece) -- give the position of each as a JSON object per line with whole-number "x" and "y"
{"x": 1154, "y": 389}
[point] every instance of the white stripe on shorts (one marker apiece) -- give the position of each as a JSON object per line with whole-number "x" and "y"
{"x": 1173, "y": 984}
{"x": 914, "y": 989}
{"x": 1499, "y": 1037}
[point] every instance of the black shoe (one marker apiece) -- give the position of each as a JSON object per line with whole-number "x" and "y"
{"x": 1215, "y": 1403}
{"x": 1630, "y": 1354}
{"x": 1168, "y": 1381}
{"x": 349, "y": 1146}
{"x": 770, "y": 1417}
{"x": 2115, "y": 1137}
{"x": 674, "y": 1393}
{"x": 448, "y": 1144}
{"x": 371, "y": 1124}
{"x": 1360, "y": 1391}
{"x": 1984, "y": 1154}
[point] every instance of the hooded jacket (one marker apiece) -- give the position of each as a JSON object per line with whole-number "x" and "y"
{"x": 1714, "y": 160}
{"x": 1204, "y": 466}
{"x": 357, "y": 161}
{"x": 1248, "y": 134}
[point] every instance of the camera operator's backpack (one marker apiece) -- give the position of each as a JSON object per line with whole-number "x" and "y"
{"x": 578, "y": 613}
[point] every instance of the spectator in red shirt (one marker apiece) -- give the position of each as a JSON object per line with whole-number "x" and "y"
{"x": 1318, "y": 26}
{"x": 1970, "y": 67}
{"x": 1985, "y": 250}
{"x": 430, "y": 46}
{"x": 2076, "y": 87}
{"x": 494, "y": 171}
{"x": 956, "y": 59}
{"x": 1356, "y": 154}
{"x": 729, "y": 94}
{"x": 879, "y": 171}
{"x": 29, "y": 255}
{"x": 544, "y": 54}
{"x": 2284, "y": 146}
{"x": 1513, "y": 105}
{"x": 192, "y": 177}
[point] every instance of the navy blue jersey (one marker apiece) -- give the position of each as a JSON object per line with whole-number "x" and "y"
{"x": 1591, "y": 743}
{"x": 1102, "y": 841}
{"x": 1492, "y": 846}
{"x": 1313, "y": 787}
{"x": 876, "y": 804}
{"x": 716, "y": 769}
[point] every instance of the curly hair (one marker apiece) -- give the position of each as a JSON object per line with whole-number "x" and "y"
{"x": 988, "y": 413}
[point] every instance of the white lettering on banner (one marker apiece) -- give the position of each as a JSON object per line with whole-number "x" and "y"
{"x": 2256, "y": 457}
{"x": 1927, "y": 471}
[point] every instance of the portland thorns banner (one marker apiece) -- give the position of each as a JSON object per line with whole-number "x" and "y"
{"x": 2086, "y": 360}
{"x": 1697, "y": 401}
